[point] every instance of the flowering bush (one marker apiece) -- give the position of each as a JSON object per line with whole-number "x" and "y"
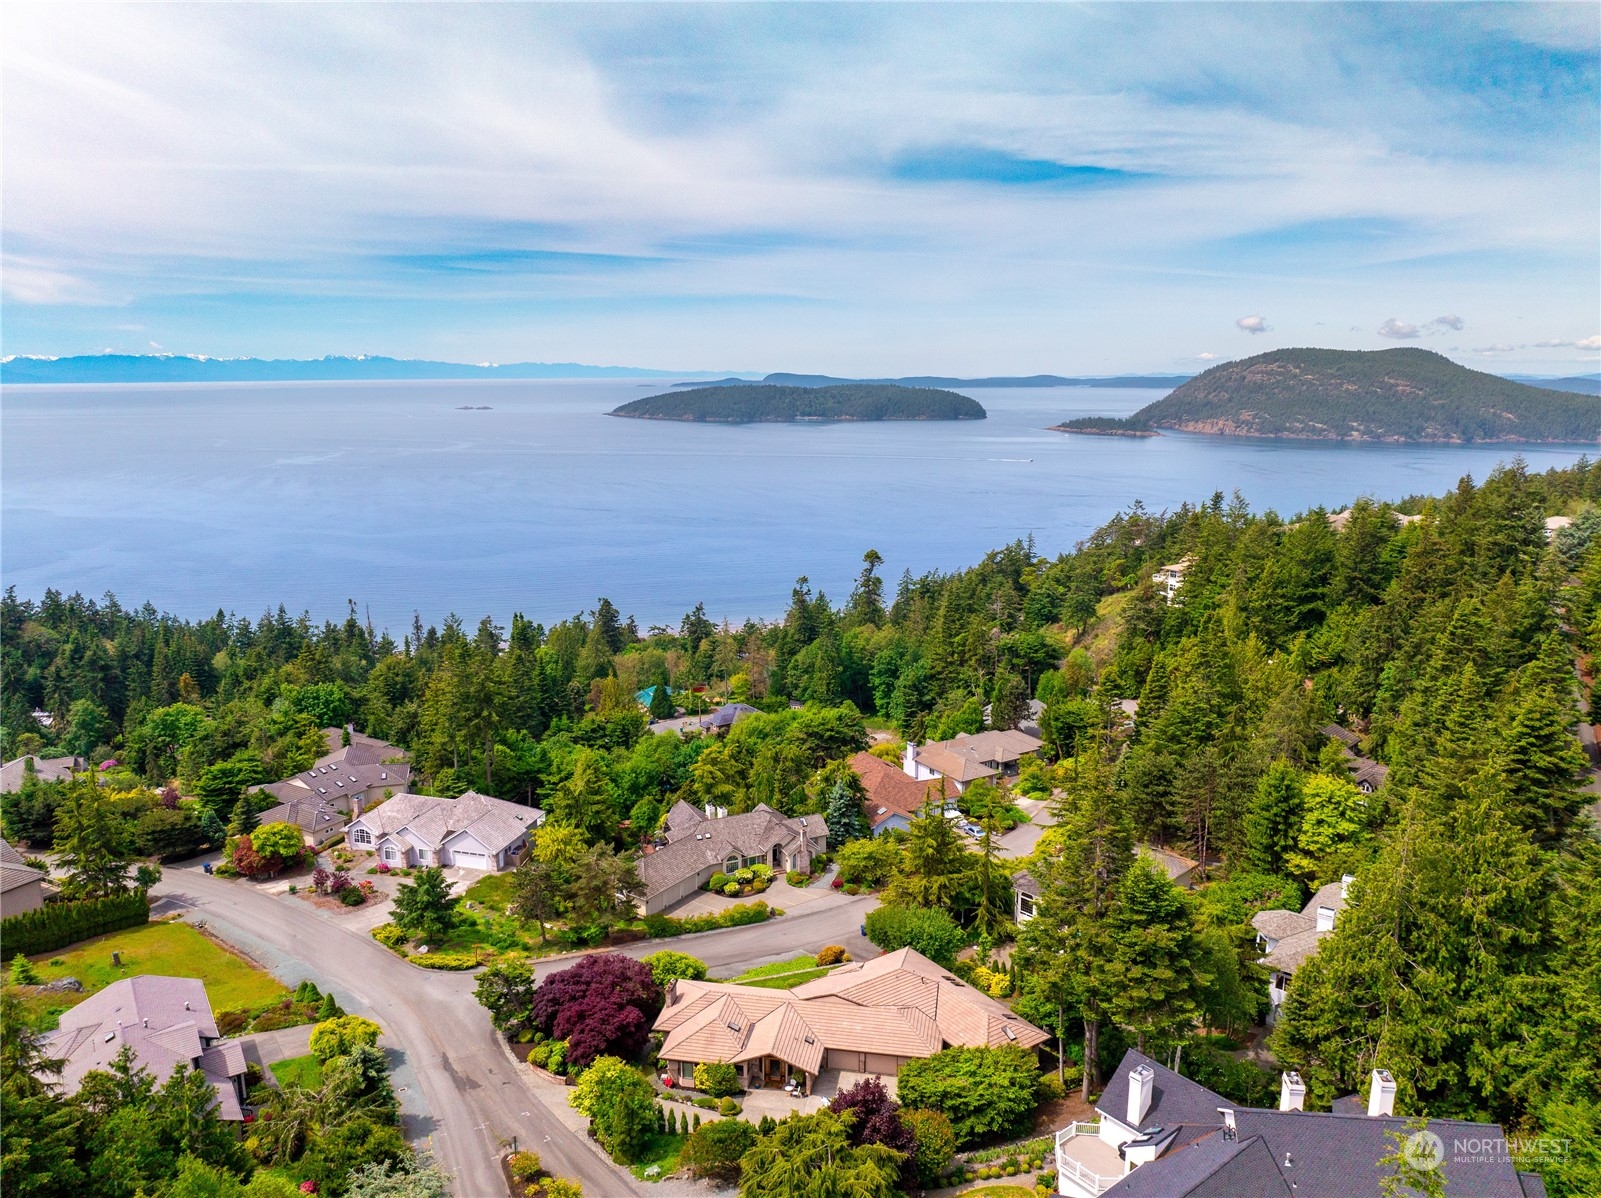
{"x": 383, "y": 867}
{"x": 308, "y": 1186}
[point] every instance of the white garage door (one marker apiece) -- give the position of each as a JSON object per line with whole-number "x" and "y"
{"x": 471, "y": 860}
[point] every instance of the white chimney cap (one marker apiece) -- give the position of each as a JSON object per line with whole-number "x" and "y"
{"x": 1381, "y": 1095}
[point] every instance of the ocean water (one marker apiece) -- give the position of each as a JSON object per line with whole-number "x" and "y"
{"x": 242, "y": 496}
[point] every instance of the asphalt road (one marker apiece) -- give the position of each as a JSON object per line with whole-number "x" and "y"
{"x": 474, "y": 1098}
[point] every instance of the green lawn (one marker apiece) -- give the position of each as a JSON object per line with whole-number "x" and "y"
{"x": 662, "y": 1153}
{"x": 998, "y": 1191}
{"x": 492, "y": 891}
{"x": 303, "y": 1071}
{"x": 173, "y": 949}
{"x": 789, "y": 981}
{"x": 793, "y": 965}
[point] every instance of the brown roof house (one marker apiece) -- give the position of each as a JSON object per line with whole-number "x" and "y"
{"x": 894, "y": 798}
{"x": 474, "y": 831}
{"x": 22, "y": 888}
{"x": 864, "y": 1017}
{"x": 1288, "y": 938}
{"x": 343, "y": 781}
{"x": 166, "y": 1021}
{"x": 703, "y": 843}
{"x": 1158, "y": 1134}
{"x": 969, "y": 756}
{"x": 46, "y": 769}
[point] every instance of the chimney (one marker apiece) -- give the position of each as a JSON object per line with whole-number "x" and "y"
{"x": 1292, "y": 1092}
{"x": 1345, "y": 884}
{"x": 1325, "y": 919}
{"x": 1141, "y": 1083}
{"x": 1381, "y": 1097}
{"x": 355, "y": 807}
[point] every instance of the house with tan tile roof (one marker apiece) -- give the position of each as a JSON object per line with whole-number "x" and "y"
{"x": 967, "y": 757}
{"x": 864, "y": 1017}
{"x": 166, "y": 1021}
{"x": 474, "y": 831}
{"x": 894, "y": 798}
{"x": 702, "y": 843}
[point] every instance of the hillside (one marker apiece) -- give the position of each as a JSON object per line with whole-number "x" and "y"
{"x": 1356, "y": 395}
{"x": 764, "y": 403}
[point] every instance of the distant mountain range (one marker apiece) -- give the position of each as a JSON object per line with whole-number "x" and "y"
{"x": 179, "y": 368}
{"x": 1162, "y": 381}
{"x": 1584, "y": 384}
{"x": 1360, "y": 395}
{"x": 765, "y": 403}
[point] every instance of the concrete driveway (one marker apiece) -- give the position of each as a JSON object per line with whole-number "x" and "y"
{"x": 780, "y": 894}
{"x": 1021, "y": 841}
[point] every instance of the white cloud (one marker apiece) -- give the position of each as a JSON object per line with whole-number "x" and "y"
{"x": 1589, "y": 343}
{"x": 1494, "y": 349}
{"x": 1252, "y": 324}
{"x": 1398, "y": 330}
{"x": 1583, "y": 343}
{"x": 32, "y": 283}
{"x": 1442, "y": 323}
{"x": 1206, "y": 357}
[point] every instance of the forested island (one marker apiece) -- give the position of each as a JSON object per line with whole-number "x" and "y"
{"x": 765, "y": 403}
{"x": 1455, "y": 646}
{"x": 1360, "y": 395}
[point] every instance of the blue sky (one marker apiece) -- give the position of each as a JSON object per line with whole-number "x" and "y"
{"x": 873, "y": 190}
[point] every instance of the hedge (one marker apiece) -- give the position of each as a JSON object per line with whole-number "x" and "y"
{"x": 56, "y": 925}
{"x": 444, "y": 960}
{"x": 736, "y": 916}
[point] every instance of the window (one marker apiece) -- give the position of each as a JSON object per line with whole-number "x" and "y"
{"x": 361, "y": 836}
{"x": 731, "y": 864}
{"x": 1025, "y": 904}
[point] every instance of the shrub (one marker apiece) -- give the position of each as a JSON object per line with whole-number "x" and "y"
{"x": 717, "y": 1079}
{"x": 984, "y": 1092}
{"x": 935, "y": 1144}
{"x": 870, "y": 862}
{"x": 352, "y": 896}
{"x": 717, "y": 881}
{"x": 22, "y": 972}
{"x": 1051, "y": 1088}
{"x": 795, "y": 878}
{"x": 705, "y": 1104}
{"x": 714, "y": 1151}
{"x": 762, "y": 873}
{"x": 443, "y": 960}
{"x": 832, "y": 954}
{"x": 931, "y": 932}
{"x": 731, "y": 889}
{"x": 56, "y": 925}
{"x": 604, "y": 1004}
{"x": 852, "y": 888}
{"x": 390, "y": 936}
{"x": 336, "y": 1037}
{"x": 621, "y": 1107}
{"x": 736, "y": 916}
{"x": 745, "y": 876}
{"x": 838, "y": 882}
{"x": 667, "y": 966}
{"x": 231, "y": 1023}
{"x": 728, "y": 1108}
{"x": 524, "y": 1166}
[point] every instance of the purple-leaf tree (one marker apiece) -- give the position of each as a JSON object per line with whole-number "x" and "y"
{"x": 602, "y": 1006}
{"x": 875, "y": 1119}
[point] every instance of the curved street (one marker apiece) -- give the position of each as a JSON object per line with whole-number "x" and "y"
{"x": 463, "y": 1096}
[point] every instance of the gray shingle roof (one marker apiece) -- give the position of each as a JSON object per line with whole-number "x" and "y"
{"x": 695, "y": 842}
{"x": 46, "y": 769}
{"x": 1307, "y": 1154}
{"x": 494, "y": 823}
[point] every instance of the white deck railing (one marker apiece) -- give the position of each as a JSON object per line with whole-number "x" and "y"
{"x": 1076, "y": 1171}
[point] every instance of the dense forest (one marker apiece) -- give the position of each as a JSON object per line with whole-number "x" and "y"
{"x": 1359, "y": 395}
{"x": 753, "y": 403}
{"x": 1457, "y": 645}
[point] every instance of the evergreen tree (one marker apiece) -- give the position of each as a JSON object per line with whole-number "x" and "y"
{"x": 1078, "y": 867}
{"x": 584, "y": 801}
{"x": 1273, "y": 820}
{"x": 843, "y": 799}
{"x": 935, "y": 862}
{"x": 1154, "y": 979}
{"x": 92, "y": 843}
{"x": 424, "y": 908}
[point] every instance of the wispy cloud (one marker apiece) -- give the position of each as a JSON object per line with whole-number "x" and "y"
{"x": 650, "y": 183}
